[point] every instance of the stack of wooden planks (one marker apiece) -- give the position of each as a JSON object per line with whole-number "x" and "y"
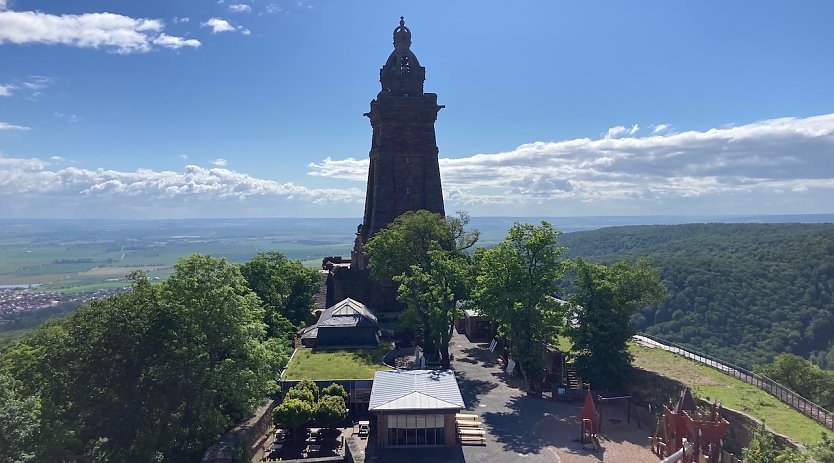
{"x": 469, "y": 429}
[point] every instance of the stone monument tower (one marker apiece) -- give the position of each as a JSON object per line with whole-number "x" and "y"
{"x": 404, "y": 174}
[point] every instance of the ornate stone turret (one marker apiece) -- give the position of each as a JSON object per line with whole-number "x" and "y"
{"x": 404, "y": 174}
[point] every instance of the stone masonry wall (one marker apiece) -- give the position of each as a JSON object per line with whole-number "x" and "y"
{"x": 245, "y": 435}
{"x": 649, "y": 388}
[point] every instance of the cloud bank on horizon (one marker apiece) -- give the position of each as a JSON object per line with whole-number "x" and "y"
{"x": 779, "y": 163}
{"x": 778, "y": 166}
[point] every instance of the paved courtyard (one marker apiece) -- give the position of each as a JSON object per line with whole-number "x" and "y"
{"x": 527, "y": 429}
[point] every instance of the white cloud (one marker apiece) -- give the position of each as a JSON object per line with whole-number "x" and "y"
{"x": 56, "y": 158}
{"x": 348, "y": 169}
{"x": 38, "y": 82}
{"x": 183, "y": 156}
{"x": 178, "y": 20}
{"x": 218, "y": 25}
{"x": 7, "y": 126}
{"x": 69, "y": 117}
{"x": 244, "y": 30}
{"x": 273, "y": 8}
{"x": 174, "y": 43}
{"x": 6, "y": 90}
{"x": 113, "y": 32}
{"x": 616, "y": 132}
{"x": 240, "y": 8}
{"x": 32, "y": 177}
{"x": 660, "y": 128}
{"x": 2, "y": 5}
{"x": 220, "y": 162}
{"x": 789, "y": 154}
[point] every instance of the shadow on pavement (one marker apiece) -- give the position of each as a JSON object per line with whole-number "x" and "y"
{"x": 472, "y": 389}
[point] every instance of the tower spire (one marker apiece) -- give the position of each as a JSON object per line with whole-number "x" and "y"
{"x": 402, "y": 36}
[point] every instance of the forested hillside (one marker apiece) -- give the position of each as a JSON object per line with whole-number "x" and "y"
{"x": 743, "y": 292}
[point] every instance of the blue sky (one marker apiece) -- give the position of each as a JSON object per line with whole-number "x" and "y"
{"x": 253, "y": 108}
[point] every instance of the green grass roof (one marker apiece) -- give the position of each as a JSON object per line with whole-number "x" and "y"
{"x": 336, "y": 364}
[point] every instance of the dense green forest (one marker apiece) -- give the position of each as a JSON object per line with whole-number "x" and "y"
{"x": 158, "y": 373}
{"x": 742, "y": 292}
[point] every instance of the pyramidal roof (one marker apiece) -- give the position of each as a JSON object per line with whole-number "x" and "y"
{"x": 415, "y": 390}
{"x": 347, "y": 312}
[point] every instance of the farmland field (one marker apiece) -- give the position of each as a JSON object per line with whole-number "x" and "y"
{"x": 74, "y": 255}
{"x": 82, "y": 255}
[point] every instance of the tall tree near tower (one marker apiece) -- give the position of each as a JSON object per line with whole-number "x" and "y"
{"x": 424, "y": 252}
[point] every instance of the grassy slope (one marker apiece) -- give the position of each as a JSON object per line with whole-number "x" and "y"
{"x": 711, "y": 384}
{"x": 336, "y": 364}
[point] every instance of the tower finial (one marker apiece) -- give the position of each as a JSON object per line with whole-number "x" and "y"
{"x": 402, "y": 36}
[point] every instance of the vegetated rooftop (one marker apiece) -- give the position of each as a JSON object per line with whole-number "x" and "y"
{"x": 711, "y": 384}
{"x": 318, "y": 364}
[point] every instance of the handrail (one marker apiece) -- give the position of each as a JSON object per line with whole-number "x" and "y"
{"x": 772, "y": 387}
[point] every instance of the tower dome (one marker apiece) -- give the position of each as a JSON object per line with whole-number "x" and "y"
{"x": 402, "y": 74}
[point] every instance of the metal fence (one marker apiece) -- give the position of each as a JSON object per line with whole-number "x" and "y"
{"x": 784, "y": 394}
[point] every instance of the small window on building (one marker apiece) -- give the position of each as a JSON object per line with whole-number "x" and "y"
{"x": 408, "y": 160}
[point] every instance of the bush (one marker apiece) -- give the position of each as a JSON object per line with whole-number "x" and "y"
{"x": 330, "y": 411}
{"x": 310, "y": 386}
{"x": 335, "y": 390}
{"x": 823, "y": 451}
{"x": 762, "y": 448}
{"x": 303, "y": 395}
{"x": 293, "y": 413}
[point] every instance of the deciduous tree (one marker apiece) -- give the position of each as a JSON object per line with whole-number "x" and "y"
{"x": 286, "y": 288}
{"x": 330, "y": 411}
{"x": 156, "y": 374}
{"x": 335, "y": 390}
{"x": 293, "y": 413}
{"x": 424, "y": 252}
{"x": 601, "y": 307}
{"x": 515, "y": 286}
{"x": 19, "y": 422}
{"x": 431, "y": 296}
{"x": 407, "y": 241}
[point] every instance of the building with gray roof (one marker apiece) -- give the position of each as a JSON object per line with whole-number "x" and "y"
{"x": 347, "y": 323}
{"x": 415, "y": 407}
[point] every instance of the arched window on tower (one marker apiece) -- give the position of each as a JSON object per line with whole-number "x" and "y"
{"x": 405, "y": 67}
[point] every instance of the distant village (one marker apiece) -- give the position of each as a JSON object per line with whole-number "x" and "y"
{"x": 17, "y": 300}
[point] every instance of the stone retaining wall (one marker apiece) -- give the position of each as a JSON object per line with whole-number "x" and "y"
{"x": 243, "y": 439}
{"x": 649, "y": 388}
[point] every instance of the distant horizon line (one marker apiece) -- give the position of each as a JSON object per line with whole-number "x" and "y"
{"x": 471, "y": 216}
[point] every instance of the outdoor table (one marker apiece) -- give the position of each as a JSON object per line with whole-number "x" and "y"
{"x": 466, "y": 416}
{"x": 468, "y": 423}
{"x": 312, "y": 440}
{"x": 313, "y": 448}
{"x": 275, "y": 447}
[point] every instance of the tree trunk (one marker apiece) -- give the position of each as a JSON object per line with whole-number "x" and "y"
{"x": 445, "y": 361}
{"x": 445, "y": 358}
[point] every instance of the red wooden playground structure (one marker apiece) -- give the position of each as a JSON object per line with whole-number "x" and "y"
{"x": 684, "y": 423}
